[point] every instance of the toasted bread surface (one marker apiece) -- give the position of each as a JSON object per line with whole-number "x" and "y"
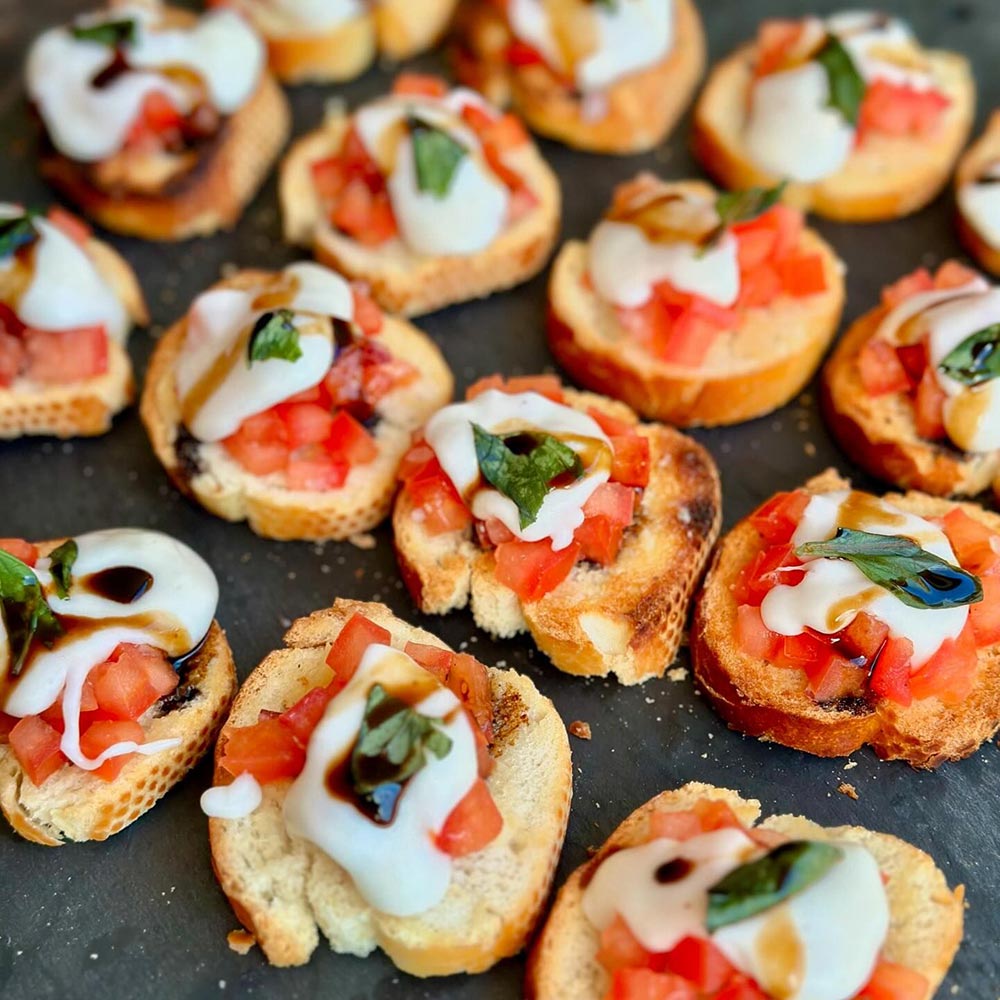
{"x": 983, "y": 153}
{"x": 407, "y": 27}
{"x": 287, "y": 892}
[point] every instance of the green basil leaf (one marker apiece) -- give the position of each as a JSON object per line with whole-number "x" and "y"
{"x": 26, "y": 614}
{"x": 759, "y": 885}
{"x": 741, "y": 206}
{"x": 61, "y": 560}
{"x": 847, "y": 86}
{"x": 111, "y": 33}
{"x": 16, "y": 232}
{"x": 524, "y": 478}
{"x": 274, "y": 336}
{"x": 977, "y": 359}
{"x": 436, "y": 156}
{"x": 917, "y": 577}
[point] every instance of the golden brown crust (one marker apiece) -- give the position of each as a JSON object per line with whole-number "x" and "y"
{"x": 756, "y": 698}
{"x": 983, "y": 153}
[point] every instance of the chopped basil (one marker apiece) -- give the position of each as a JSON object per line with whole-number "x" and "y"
{"x": 16, "y": 232}
{"x": 917, "y": 577}
{"x": 61, "y": 560}
{"x": 274, "y": 336}
{"x": 524, "y": 478}
{"x": 977, "y": 359}
{"x": 436, "y": 156}
{"x": 761, "y": 884}
{"x": 26, "y": 613}
{"x": 111, "y": 33}
{"x": 609, "y": 5}
{"x": 741, "y": 206}
{"x": 847, "y": 86}
{"x": 392, "y": 746}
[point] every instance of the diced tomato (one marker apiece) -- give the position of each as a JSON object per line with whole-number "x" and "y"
{"x": 759, "y": 287}
{"x": 613, "y": 501}
{"x": 472, "y": 824}
{"x": 268, "y": 750}
{"x": 687, "y": 342}
{"x": 521, "y": 54}
{"x": 433, "y": 658}
{"x": 355, "y": 637}
{"x": 157, "y": 119}
{"x": 891, "y": 675}
{"x": 522, "y": 201}
{"x": 13, "y": 357}
{"x": 951, "y": 672}
{"x": 630, "y": 465}
{"x": 714, "y": 814}
{"x": 469, "y": 681}
{"x": 20, "y": 549}
{"x": 260, "y": 444}
{"x": 364, "y": 216}
{"x": 417, "y": 461}
{"x": 894, "y": 982}
{"x": 913, "y": 358}
{"x": 71, "y": 225}
{"x": 533, "y": 569}
{"x": 776, "y": 519}
{"x": 545, "y": 385}
{"x": 741, "y": 988}
{"x": 329, "y": 177}
{"x": 349, "y": 441}
{"x": 802, "y": 274}
{"x": 899, "y": 109}
{"x": 59, "y": 356}
{"x": 312, "y": 467}
{"x": 419, "y": 85}
{"x": 303, "y": 717}
{"x": 125, "y": 688}
{"x": 953, "y": 274}
{"x": 975, "y": 545}
{"x": 754, "y": 637}
{"x": 36, "y": 745}
{"x": 910, "y": 284}
{"x": 367, "y": 314}
{"x": 611, "y": 426}
{"x": 307, "y": 423}
{"x": 754, "y": 245}
{"x": 835, "y": 677}
{"x": 984, "y": 617}
{"x": 101, "y": 735}
{"x": 433, "y": 493}
{"x": 608, "y": 512}
{"x": 681, "y": 825}
{"x": 805, "y": 651}
{"x": 775, "y": 564}
{"x": 503, "y": 131}
{"x": 620, "y": 948}
{"x": 699, "y": 962}
{"x": 929, "y": 407}
{"x": 776, "y": 37}
{"x": 493, "y": 532}
{"x": 483, "y": 384}
{"x": 880, "y": 368}
{"x": 787, "y": 223}
{"x": 865, "y": 636}
{"x": 645, "y": 984}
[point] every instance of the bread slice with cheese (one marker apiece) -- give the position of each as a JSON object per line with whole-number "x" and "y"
{"x": 625, "y": 619}
{"x": 288, "y": 893}
{"x": 751, "y": 371}
{"x": 926, "y": 915}
{"x": 634, "y": 113}
{"x": 885, "y": 177}
{"x": 221, "y": 485}
{"x": 86, "y": 407}
{"x": 983, "y": 154}
{"x": 759, "y": 699}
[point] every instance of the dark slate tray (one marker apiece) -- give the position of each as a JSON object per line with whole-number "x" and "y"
{"x": 141, "y": 915}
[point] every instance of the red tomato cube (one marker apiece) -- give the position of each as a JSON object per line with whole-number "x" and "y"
{"x": 101, "y": 735}
{"x": 533, "y": 569}
{"x": 36, "y": 745}
{"x": 57, "y": 357}
{"x": 355, "y": 637}
{"x": 472, "y": 824}
{"x": 268, "y": 750}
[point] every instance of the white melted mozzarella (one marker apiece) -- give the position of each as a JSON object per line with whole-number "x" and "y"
{"x": 396, "y": 867}
{"x": 625, "y": 265}
{"x": 824, "y": 600}
{"x": 233, "y": 801}
{"x": 449, "y": 433}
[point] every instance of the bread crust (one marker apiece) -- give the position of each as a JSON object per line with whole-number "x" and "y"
{"x": 224, "y": 488}
{"x": 885, "y": 178}
{"x": 642, "y": 108}
{"x": 404, "y": 282}
{"x": 626, "y": 619}
{"x": 211, "y": 196}
{"x": 981, "y": 154}
{"x": 880, "y": 432}
{"x": 924, "y": 933}
{"x": 765, "y": 363}
{"x": 755, "y": 698}
{"x": 285, "y": 891}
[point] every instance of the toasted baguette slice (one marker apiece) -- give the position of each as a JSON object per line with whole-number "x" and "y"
{"x": 209, "y": 197}
{"x": 924, "y": 934}
{"x": 633, "y": 115}
{"x": 984, "y": 152}
{"x": 625, "y": 619}
{"x": 86, "y": 407}
{"x": 880, "y": 432}
{"x": 404, "y": 282}
{"x": 761, "y": 700}
{"x": 885, "y": 177}
{"x": 748, "y": 372}
{"x": 287, "y": 892}
{"x": 219, "y": 483}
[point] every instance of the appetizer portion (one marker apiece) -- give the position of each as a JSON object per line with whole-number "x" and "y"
{"x": 609, "y": 76}
{"x": 912, "y": 390}
{"x": 287, "y": 399}
{"x": 67, "y": 305}
{"x": 379, "y": 789}
{"x": 977, "y": 192}
{"x": 557, "y": 513}
{"x": 114, "y": 678}
{"x": 863, "y": 122}
{"x": 689, "y": 899}
{"x": 429, "y": 195}
{"x": 695, "y": 307}
{"x": 832, "y": 618}
{"x": 156, "y": 122}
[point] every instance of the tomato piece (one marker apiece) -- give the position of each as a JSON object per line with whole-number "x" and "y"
{"x": 533, "y": 569}
{"x": 913, "y": 358}
{"x": 787, "y": 223}
{"x": 433, "y": 658}
{"x": 630, "y": 464}
{"x": 472, "y": 824}
{"x": 910, "y": 284}
{"x": 105, "y": 733}
{"x": 600, "y": 539}
{"x": 69, "y": 224}
{"x": 620, "y": 948}
{"x": 469, "y": 681}
{"x": 880, "y": 368}
{"x": 952, "y": 274}
{"x": 483, "y": 384}
{"x": 355, "y": 637}
{"x": 865, "y": 636}
{"x": 350, "y": 441}
{"x": 268, "y": 750}
{"x": 363, "y": 215}
{"x": 313, "y": 468}
{"x": 951, "y": 672}
{"x": 776, "y": 519}
{"x": 420, "y": 459}
{"x": 132, "y": 681}
{"x": 56, "y": 357}
{"x": 682, "y": 825}
{"x": 805, "y": 651}
{"x": 976, "y": 547}
{"x": 741, "y": 988}
{"x": 984, "y": 618}
{"x": 329, "y": 178}
{"x": 306, "y": 423}
{"x": 899, "y": 109}
{"x": 645, "y": 984}
{"x": 367, "y": 314}
{"x": 435, "y": 496}
{"x": 613, "y": 501}
{"x": 714, "y": 814}
{"x": 260, "y": 444}
{"x": 493, "y": 532}
{"x": 700, "y": 962}
{"x": 611, "y": 426}
{"x": 545, "y": 385}
{"x": 521, "y": 54}
{"x": 891, "y": 675}
{"x": 802, "y": 274}
{"x": 687, "y": 342}
{"x": 929, "y": 407}
{"x": 759, "y": 287}
{"x": 775, "y": 39}
{"x": 36, "y": 746}
{"x": 753, "y": 636}
{"x": 304, "y": 716}
{"x": 411, "y": 84}
{"x": 13, "y": 358}
{"x": 890, "y": 981}
{"x": 776, "y": 564}
{"x": 835, "y": 677}
{"x": 20, "y": 549}
{"x": 754, "y": 244}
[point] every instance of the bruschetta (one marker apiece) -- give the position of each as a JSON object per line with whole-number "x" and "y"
{"x": 429, "y": 195}
{"x": 832, "y": 618}
{"x": 156, "y": 122}
{"x": 379, "y": 789}
{"x": 977, "y": 192}
{"x": 695, "y": 307}
{"x": 288, "y": 399}
{"x": 912, "y": 390}
{"x": 605, "y": 77}
{"x": 556, "y": 512}
{"x": 326, "y": 41}
{"x": 67, "y": 305}
{"x": 114, "y": 678}
{"x": 690, "y": 898}
{"x": 862, "y": 121}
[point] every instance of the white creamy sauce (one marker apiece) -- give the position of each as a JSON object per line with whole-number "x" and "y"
{"x": 89, "y": 123}
{"x": 824, "y": 600}
{"x": 396, "y": 867}
{"x": 179, "y": 604}
{"x": 314, "y": 14}
{"x": 449, "y": 433}
{"x": 236, "y": 800}
{"x": 625, "y": 265}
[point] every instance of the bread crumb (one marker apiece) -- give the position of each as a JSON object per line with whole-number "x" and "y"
{"x": 362, "y": 540}
{"x": 849, "y": 790}
{"x": 850, "y": 764}
{"x": 581, "y": 730}
{"x": 809, "y": 448}
{"x": 677, "y": 674}
{"x": 240, "y": 941}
